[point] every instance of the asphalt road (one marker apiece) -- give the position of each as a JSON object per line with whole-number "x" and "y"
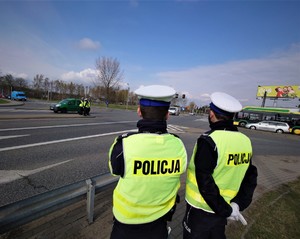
{"x": 41, "y": 150}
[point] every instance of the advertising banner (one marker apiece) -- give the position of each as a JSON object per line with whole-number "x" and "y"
{"x": 279, "y": 91}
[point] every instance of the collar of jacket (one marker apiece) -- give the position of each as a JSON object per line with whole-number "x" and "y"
{"x": 223, "y": 125}
{"x": 152, "y": 126}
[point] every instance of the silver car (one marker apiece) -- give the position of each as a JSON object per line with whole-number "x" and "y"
{"x": 274, "y": 126}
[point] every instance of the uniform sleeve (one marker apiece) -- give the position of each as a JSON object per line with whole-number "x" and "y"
{"x": 205, "y": 163}
{"x": 116, "y": 159}
{"x": 246, "y": 191}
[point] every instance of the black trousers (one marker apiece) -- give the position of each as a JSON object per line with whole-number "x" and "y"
{"x": 86, "y": 111}
{"x": 198, "y": 224}
{"x": 153, "y": 230}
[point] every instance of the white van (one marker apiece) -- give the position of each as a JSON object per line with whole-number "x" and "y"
{"x": 174, "y": 110}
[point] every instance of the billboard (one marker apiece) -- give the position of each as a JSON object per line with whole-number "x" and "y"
{"x": 279, "y": 91}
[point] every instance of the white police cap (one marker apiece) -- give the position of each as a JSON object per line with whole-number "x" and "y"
{"x": 155, "y": 95}
{"x": 225, "y": 103}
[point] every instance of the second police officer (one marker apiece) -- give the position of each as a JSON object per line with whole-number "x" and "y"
{"x": 220, "y": 178}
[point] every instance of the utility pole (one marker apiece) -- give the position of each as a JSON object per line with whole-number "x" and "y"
{"x": 264, "y": 99}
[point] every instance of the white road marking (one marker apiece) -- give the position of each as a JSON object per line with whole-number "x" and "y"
{"x": 172, "y": 128}
{"x": 7, "y": 176}
{"x": 13, "y": 136}
{"x": 64, "y": 140}
{"x": 64, "y": 126}
{"x": 202, "y": 119}
{"x": 176, "y": 128}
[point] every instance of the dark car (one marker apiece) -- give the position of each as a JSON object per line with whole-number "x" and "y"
{"x": 66, "y": 105}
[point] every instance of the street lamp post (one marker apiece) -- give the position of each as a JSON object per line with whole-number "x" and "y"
{"x": 127, "y": 96}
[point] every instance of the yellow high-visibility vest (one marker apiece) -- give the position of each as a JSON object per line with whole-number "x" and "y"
{"x": 86, "y": 104}
{"x": 234, "y": 153}
{"x": 152, "y": 169}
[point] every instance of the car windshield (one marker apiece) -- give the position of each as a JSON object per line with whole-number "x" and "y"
{"x": 63, "y": 102}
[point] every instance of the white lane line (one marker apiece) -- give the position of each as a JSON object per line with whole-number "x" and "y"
{"x": 202, "y": 119}
{"x": 13, "y": 136}
{"x": 64, "y": 140}
{"x": 61, "y": 126}
{"x": 176, "y": 128}
{"x": 7, "y": 176}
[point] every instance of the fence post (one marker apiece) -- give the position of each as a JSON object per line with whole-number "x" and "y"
{"x": 90, "y": 200}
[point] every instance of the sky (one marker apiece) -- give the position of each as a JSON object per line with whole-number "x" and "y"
{"x": 197, "y": 47}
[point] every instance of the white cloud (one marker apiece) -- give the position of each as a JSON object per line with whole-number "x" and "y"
{"x": 239, "y": 78}
{"x": 16, "y": 75}
{"x": 20, "y": 75}
{"x": 88, "y": 44}
{"x": 86, "y": 76}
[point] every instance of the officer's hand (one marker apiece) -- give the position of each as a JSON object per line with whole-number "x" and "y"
{"x": 236, "y": 215}
{"x": 235, "y": 211}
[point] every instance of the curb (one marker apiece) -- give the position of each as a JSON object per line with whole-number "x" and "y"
{"x": 9, "y": 104}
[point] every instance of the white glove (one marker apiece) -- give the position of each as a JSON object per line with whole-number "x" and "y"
{"x": 236, "y": 215}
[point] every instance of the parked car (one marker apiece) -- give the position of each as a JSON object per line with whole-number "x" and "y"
{"x": 66, "y": 105}
{"x": 174, "y": 110}
{"x": 274, "y": 126}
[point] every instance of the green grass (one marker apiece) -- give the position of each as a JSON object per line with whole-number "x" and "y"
{"x": 116, "y": 106}
{"x": 3, "y": 101}
{"x": 274, "y": 215}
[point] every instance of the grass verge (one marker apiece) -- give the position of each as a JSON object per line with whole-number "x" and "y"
{"x": 3, "y": 101}
{"x": 274, "y": 215}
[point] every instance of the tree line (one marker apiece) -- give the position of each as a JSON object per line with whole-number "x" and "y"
{"x": 106, "y": 86}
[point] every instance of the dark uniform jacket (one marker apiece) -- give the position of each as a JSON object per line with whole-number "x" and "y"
{"x": 204, "y": 170}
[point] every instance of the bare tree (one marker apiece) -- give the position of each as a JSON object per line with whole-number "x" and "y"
{"x": 6, "y": 84}
{"x": 109, "y": 75}
{"x": 46, "y": 87}
{"x": 38, "y": 82}
{"x": 72, "y": 88}
{"x": 21, "y": 83}
{"x": 79, "y": 90}
{"x": 57, "y": 86}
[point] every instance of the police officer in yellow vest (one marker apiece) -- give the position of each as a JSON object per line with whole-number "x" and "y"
{"x": 220, "y": 178}
{"x": 86, "y": 107}
{"x": 149, "y": 163}
{"x": 80, "y": 111}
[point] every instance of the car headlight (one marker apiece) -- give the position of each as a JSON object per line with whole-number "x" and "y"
{"x": 58, "y": 105}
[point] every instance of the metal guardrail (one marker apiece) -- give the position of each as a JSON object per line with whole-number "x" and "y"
{"x": 29, "y": 209}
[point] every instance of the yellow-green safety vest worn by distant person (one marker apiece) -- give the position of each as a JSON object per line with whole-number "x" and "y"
{"x": 87, "y": 104}
{"x": 153, "y": 164}
{"x": 234, "y": 153}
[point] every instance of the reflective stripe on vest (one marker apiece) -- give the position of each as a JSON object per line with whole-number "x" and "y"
{"x": 150, "y": 183}
{"x": 234, "y": 153}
